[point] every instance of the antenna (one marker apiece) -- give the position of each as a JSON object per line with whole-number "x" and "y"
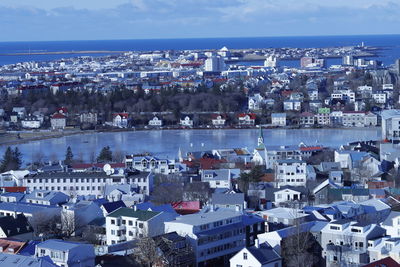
{"x": 107, "y": 168}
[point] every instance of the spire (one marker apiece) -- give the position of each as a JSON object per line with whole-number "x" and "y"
{"x": 260, "y": 140}
{"x": 180, "y": 158}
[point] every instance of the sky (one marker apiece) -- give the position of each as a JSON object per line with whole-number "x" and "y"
{"x": 44, "y": 20}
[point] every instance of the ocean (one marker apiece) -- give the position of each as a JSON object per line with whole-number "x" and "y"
{"x": 390, "y": 45}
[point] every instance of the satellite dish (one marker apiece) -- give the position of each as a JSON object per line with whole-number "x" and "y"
{"x": 107, "y": 168}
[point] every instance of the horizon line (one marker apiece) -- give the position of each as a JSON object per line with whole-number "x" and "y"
{"x": 188, "y": 38}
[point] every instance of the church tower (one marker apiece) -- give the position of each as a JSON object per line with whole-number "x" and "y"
{"x": 260, "y": 140}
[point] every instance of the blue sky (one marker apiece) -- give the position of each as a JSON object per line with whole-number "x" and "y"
{"x": 36, "y": 20}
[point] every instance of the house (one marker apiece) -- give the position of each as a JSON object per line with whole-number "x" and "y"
{"x": 323, "y": 116}
{"x": 278, "y": 119}
{"x": 292, "y": 105}
{"x": 353, "y": 118}
{"x": 274, "y": 153}
{"x": 255, "y": 102}
{"x": 44, "y": 197}
{"x": 349, "y": 159}
{"x": 27, "y": 209}
{"x": 216, "y": 234}
{"x": 286, "y": 216}
{"x": 259, "y": 255}
{"x": 153, "y": 164}
{"x": 345, "y": 241}
{"x": 155, "y": 122}
{"x": 58, "y": 121}
{"x": 383, "y": 248}
{"x": 125, "y": 224}
{"x": 233, "y": 201}
{"x": 67, "y": 254}
{"x": 31, "y": 122}
{"x": 12, "y": 260}
{"x": 390, "y": 124}
{"x": 370, "y": 119}
{"x": 290, "y": 172}
{"x": 218, "y": 120}
{"x": 175, "y": 250}
{"x": 120, "y": 120}
{"x": 221, "y": 178}
{"x": 16, "y": 227}
{"x": 288, "y": 195}
{"x": 88, "y": 118}
{"x": 247, "y": 119}
{"x": 392, "y": 224}
{"x": 109, "y": 207}
{"x": 186, "y": 121}
{"x": 306, "y": 119}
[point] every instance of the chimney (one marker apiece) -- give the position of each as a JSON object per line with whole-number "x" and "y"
{"x": 257, "y": 243}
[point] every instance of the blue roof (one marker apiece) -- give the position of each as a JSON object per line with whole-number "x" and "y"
{"x": 29, "y": 248}
{"x": 57, "y": 244}
{"x": 24, "y": 207}
{"x": 111, "y": 206}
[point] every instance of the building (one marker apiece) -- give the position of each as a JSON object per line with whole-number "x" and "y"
{"x": 247, "y": 119}
{"x": 221, "y": 178}
{"x": 278, "y": 119}
{"x": 259, "y": 255}
{"x": 89, "y": 118}
{"x": 58, "y": 121}
{"x": 271, "y": 61}
{"x": 214, "y": 64}
{"x": 348, "y": 60}
{"x": 392, "y": 224}
{"x": 218, "y": 120}
{"x": 120, "y": 120}
{"x": 307, "y": 118}
{"x": 125, "y": 224}
{"x": 312, "y": 62}
{"x": 292, "y": 105}
{"x": 186, "y": 121}
{"x": 346, "y": 242}
{"x": 44, "y": 197}
{"x": 290, "y": 172}
{"x": 16, "y": 227}
{"x": 31, "y": 122}
{"x": 353, "y": 118}
{"x": 86, "y": 183}
{"x": 216, "y": 235}
{"x": 234, "y": 201}
{"x": 155, "y": 122}
{"x": 382, "y": 248}
{"x": 153, "y": 164}
{"x": 66, "y": 254}
{"x": 390, "y": 124}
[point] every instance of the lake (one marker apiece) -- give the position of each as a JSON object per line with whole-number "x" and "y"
{"x": 166, "y": 143}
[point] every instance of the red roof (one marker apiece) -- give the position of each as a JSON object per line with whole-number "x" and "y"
{"x": 58, "y": 116}
{"x": 123, "y": 115}
{"x": 209, "y": 163}
{"x": 251, "y": 115}
{"x": 214, "y": 116}
{"x": 385, "y": 262}
{"x": 63, "y": 110}
{"x": 15, "y": 189}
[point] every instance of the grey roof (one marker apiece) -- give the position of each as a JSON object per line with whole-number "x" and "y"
{"x": 388, "y": 220}
{"x": 203, "y": 218}
{"x": 290, "y": 161}
{"x": 264, "y": 254}
{"x": 228, "y": 199}
{"x": 55, "y": 244}
{"x": 24, "y": 207}
{"x": 222, "y": 174}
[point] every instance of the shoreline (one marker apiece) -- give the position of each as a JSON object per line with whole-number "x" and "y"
{"x": 66, "y": 133}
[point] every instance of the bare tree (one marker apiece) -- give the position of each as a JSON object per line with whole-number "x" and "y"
{"x": 197, "y": 191}
{"x": 46, "y": 225}
{"x": 146, "y": 251}
{"x": 167, "y": 193}
{"x": 118, "y": 156}
{"x": 71, "y": 223}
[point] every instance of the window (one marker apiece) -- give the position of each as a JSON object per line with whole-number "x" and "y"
{"x": 112, "y": 221}
{"x": 245, "y": 256}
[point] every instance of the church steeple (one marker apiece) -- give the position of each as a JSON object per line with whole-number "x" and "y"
{"x": 260, "y": 140}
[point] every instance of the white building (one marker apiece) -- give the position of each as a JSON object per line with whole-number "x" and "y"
{"x": 379, "y": 97}
{"x": 392, "y": 224}
{"x": 285, "y": 195}
{"x": 67, "y": 254}
{"x": 271, "y": 61}
{"x": 290, "y": 172}
{"x": 31, "y": 123}
{"x": 214, "y": 64}
{"x": 120, "y": 120}
{"x": 218, "y": 120}
{"x": 291, "y": 104}
{"x": 153, "y": 164}
{"x": 260, "y": 255}
{"x": 391, "y": 124}
{"x": 83, "y": 183}
{"x": 255, "y": 102}
{"x": 384, "y": 247}
{"x": 155, "y": 122}
{"x": 278, "y": 119}
{"x": 125, "y": 224}
{"x": 58, "y": 121}
{"x": 186, "y": 121}
{"x": 218, "y": 178}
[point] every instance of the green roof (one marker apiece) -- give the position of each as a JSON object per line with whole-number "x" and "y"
{"x": 141, "y": 215}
